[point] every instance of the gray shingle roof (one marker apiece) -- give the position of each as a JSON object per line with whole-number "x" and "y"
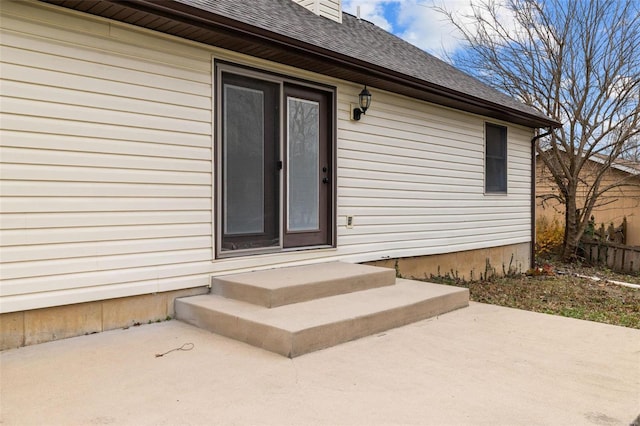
{"x": 357, "y": 39}
{"x": 285, "y": 32}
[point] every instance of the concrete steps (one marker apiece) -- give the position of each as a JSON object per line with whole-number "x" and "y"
{"x": 293, "y": 311}
{"x": 283, "y": 286}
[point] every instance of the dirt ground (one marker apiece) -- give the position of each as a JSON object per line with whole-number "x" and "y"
{"x": 561, "y": 289}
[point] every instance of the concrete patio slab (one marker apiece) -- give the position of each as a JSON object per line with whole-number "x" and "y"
{"x": 482, "y": 365}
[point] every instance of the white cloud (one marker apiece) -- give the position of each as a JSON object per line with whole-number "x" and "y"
{"x": 418, "y": 22}
{"x": 371, "y": 10}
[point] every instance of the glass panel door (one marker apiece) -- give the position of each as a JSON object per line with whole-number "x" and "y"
{"x": 249, "y": 157}
{"x": 274, "y": 163}
{"x": 308, "y": 167}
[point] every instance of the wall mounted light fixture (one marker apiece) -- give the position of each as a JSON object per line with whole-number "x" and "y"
{"x": 364, "y": 101}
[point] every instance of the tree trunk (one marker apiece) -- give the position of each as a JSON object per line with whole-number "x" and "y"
{"x": 571, "y": 230}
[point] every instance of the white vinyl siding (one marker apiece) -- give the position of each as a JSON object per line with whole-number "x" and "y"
{"x": 309, "y": 4}
{"x": 411, "y": 174}
{"x": 331, "y": 9}
{"x": 107, "y": 167}
{"x": 106, "y": 162}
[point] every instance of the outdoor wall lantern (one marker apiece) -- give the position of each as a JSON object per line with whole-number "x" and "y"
{"x": 364, "y": 101}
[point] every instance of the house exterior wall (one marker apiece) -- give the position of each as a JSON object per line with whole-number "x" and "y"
{"x": 614, "y": 205}
{"x": 108, "y": 167}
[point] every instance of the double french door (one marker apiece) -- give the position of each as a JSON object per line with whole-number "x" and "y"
{"x": 275, "y": 187}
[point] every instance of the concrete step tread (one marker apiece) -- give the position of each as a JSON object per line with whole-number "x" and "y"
{"x": 277, "y": 278}
{"x": 305, "y": 315}
{"x": 282, "y": 286}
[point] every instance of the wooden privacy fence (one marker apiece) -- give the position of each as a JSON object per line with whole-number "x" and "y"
{"x": 617, "y": 257}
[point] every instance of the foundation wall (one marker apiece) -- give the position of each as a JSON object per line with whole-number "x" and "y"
{"x": 59, "y": 322}
{"x": 465, "y": 265}
{"x": 43, "y": 325}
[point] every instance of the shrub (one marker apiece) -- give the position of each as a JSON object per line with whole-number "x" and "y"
{"x": 549, "y": 236}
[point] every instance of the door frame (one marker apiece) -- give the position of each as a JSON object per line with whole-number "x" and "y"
{"x": 220, "y": 66}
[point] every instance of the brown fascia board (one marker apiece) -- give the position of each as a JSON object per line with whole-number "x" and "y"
{"x": 351, "y": 68}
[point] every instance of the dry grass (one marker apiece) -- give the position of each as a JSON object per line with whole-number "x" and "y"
{"x": 562, "y": 293}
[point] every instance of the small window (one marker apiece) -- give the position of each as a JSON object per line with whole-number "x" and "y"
{"x": 495, "y": 175}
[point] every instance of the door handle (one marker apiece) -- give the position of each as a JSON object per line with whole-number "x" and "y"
{"x": 325, "y": 179}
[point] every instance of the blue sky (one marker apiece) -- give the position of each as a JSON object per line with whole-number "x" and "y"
{"x": 412, "y": 20}
{"x": 415, "y": 21}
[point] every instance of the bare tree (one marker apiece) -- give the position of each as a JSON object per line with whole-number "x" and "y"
{"x": 579, "y": 63}
{"x": 632, "y": 149}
